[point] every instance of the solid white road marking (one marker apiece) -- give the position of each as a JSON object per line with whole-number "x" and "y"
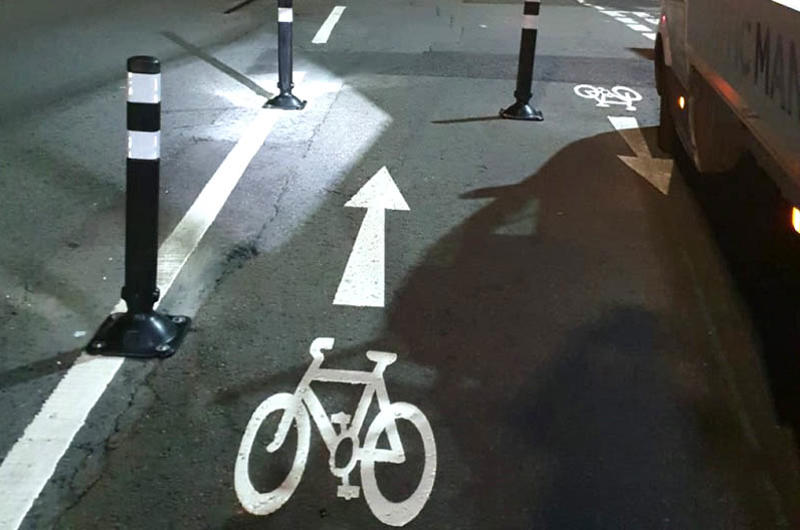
{"x": 656, "y": 171}
{"x": 325, "y": 30}
{"x": 363, "y": 281}
{"x": 175, "y": 251}
{"x": 651, "y": 36}
{"x": 33, "y": 459}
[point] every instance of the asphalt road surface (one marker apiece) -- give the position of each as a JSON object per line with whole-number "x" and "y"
{"x": 587, "y": 334}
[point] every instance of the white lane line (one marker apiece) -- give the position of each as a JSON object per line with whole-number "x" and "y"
{"x": 33, "y": 459}
{"x": 325, "y": 30}
{"x": 647, "y": 17}
{"x": 622, "y": 17}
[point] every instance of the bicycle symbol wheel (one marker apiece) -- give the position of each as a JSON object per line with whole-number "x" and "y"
{"x": 264, "y": 503}
{"x": 626, "y": 94}
{"x": 588, "y": 91}
{"x": 389, "y": 512}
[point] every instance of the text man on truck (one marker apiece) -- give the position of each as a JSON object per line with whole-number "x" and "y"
{"x": 728, "y": 72}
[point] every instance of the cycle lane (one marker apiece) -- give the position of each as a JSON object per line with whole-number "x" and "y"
{"x": 517, "y": 284}
{"x": 548, "y": 363}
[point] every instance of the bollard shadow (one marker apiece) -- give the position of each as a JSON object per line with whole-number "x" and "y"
{"x": 237, "y": 7}
{"x": 465, "y": 120}
{"x": 53, "y": 365}
{"x": 216, "y": 63}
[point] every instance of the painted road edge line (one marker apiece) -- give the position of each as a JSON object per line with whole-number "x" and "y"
{"x": 33, "y": 459}
{"x": 325, "y": 30}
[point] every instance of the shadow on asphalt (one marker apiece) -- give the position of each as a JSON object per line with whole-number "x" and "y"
{"x": 466, "y": 120}
{"x": 573, "y": 388}
{"x": 560, "y": 357}
{"x": 56, "y": 364}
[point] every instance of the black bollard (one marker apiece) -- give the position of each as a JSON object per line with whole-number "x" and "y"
{"x": 141, "y": 331}
{"x": 285, "y": 100}
{"x": 521, "y": 109}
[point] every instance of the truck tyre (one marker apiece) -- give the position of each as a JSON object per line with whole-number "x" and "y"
{"x": 667, "y": 136}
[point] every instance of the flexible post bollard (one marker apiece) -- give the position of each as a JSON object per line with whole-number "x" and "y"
{"x": 285, "y": 100}
{"x": 521, "y": 109}
{"x": 141, "y": 331}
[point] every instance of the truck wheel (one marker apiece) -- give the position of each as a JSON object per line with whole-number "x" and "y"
{"x": 667, "y": 135}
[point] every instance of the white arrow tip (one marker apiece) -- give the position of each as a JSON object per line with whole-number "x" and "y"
{"x": 379, "y": 192}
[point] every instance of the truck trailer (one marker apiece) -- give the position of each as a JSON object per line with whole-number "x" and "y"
{"x": 728, "y": 73}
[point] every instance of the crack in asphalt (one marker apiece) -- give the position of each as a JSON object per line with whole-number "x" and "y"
{"x": 323, "y": 121}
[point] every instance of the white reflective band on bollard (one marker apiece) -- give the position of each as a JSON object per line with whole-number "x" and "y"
{"x": 144, "y": 145}
{"x": 144, "y": 88}
{"x": 285, "y": 14}
{"x": 530, "y": 21}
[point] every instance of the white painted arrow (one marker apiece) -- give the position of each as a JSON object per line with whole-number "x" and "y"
{"x": 656, "y": 171}
{"x": 363, "y": 281}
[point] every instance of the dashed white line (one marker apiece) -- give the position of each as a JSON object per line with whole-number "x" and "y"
{"x": 624, "y": 18}
{"x": 647, "y": 17}
{"x": 32, "y": 460}
{"x": 325, "y": 30}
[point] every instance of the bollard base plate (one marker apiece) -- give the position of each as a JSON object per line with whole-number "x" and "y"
{"x": 521, "y": 111}
{"x": 286, "y": 102}
{"x": 142, "y": 335}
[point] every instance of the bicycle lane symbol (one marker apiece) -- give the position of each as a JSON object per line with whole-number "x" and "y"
{"x": 618, "y": 95}
{"x": 295, "y": 409}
